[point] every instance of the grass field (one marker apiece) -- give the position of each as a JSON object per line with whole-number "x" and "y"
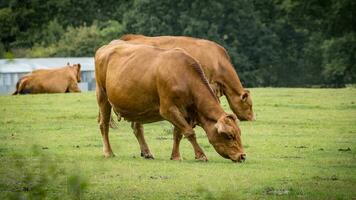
{"x": 302, "y": 146}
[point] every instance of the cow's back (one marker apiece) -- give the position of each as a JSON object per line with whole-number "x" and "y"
{"x": 47, "y": 81}
{"x": 114, "y": 63}
{"x": 210, "y": 54}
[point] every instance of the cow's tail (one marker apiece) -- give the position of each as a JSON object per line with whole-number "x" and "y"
{"x": 17, "y": 87}
{"x": 20, "y": 87}
{"x": 113, "y": 124}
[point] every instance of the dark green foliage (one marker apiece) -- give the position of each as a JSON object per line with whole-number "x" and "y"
{"x": 339, "y": 56}
{"x": 38, "y": 177}
{"x": 76, "y": 184}
{"x": 79, "y": 41}
{"x": 271, "y": 42}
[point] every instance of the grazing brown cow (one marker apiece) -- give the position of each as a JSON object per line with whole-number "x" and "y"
{"x": 57, "y": 80}
{"x": 145, "y": 84}
{"x": 216, "y": 64}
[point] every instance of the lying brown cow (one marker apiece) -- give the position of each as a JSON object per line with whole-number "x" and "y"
{"x": 216, "y": 64}
{"x": 58, "y": 80}
{"x": 146, "y": 84}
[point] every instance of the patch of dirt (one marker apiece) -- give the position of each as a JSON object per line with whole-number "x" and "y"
{"x": 331, "y": 178}
{"x": 93, "y": 145}
{"x": 345, "y": 149}
{"x": 159, "y": 177}
{"x": 301, "y": 147}
{"x": 9, "y": 121}
{"x": 155, "y": 177}
{"x": 275, "y": 191}
{"x": 163, "y": 138}
{"x": 295, "y": 157}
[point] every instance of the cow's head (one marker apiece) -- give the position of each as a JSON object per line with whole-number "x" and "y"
{"x": 77, "y": 69}
{"x": 227, "y": 138}
{"x": 242, "y": 106}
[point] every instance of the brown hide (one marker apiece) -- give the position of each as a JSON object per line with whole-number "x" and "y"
{"x": 146, "y": 84}
{"x": 216, "y": 64}
{"x": 58, "y": 80}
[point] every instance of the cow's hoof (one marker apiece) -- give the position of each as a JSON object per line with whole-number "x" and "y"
{"x": 202, "y": 158}
{"x": 176, "y": 158}
{"x": 109, "y": 155}
{"x": 147, "y": 156}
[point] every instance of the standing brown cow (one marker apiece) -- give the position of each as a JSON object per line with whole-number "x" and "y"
{"x": 146, "y": 84}
{"x": 57, "y": 80}
{"x": 216, "y": 64}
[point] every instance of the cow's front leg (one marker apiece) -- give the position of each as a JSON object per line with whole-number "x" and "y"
{"x": 177, "y": 136}
{"x": 199, "y": 153}
{"x": 138, "y": 131}
{"x": 172, "y": 114}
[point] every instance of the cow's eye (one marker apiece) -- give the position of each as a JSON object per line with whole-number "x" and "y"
{"x": 229, "y": 137}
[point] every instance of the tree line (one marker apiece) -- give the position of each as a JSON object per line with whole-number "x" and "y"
{"x": 289, "y": 43}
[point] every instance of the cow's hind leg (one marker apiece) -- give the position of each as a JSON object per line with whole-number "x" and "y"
{"x": 104, "y": 117}
{"x": 138, "y": 131}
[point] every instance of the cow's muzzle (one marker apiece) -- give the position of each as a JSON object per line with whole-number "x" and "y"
{"x": 240, "y": 158}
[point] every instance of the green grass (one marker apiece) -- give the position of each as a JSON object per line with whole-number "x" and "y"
{"x": 302, "y": 146}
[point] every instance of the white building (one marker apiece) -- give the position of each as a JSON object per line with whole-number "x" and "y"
{"x": 12, "y": 70}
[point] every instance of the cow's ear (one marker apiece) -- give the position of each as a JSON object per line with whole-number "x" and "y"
{"x": 222, "y": 127}
{"x": 78, "y": 66}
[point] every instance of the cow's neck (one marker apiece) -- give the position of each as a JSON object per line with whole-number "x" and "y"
{"x": 208, "y": 113}
{"x": 208, "y": 121}
{"x": 205, "y": 100}
{"x": 230, "y": 81}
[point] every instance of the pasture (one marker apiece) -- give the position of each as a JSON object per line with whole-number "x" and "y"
{"x": 302, "y": 146}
